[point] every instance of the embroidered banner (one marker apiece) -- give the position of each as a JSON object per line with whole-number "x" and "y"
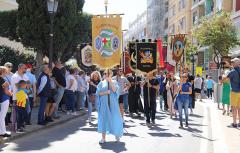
{"x": 178, "y": 46}
{"x": 146, "y": 57}
{"x": 133, "y": 57}
{"x": 107, "y": 38}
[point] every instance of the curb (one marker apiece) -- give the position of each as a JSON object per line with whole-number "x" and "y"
{"x": 40, "y": 128}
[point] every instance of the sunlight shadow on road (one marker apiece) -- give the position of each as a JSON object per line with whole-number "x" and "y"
{"x": 202, "y": 137}
{"x": 164, "y": 134}
{"x": 116, "y": 147}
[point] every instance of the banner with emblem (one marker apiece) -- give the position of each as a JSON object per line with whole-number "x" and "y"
{"x": 133, "y": 57}
{"x": 85, "y": 56}
{"x": 107, "y": 38}
{"x": 146, "y": 57}
{"x": 178, "y": 46}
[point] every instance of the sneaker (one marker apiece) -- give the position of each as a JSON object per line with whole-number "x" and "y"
{"x": 68, "y": 113}
{"x": 5, "y": 135}
{"x": 148, "y": 123}
{"x": 90, "y": 120}
{"x": 186, "y": 124}
{"x": 181, "y": 126}
{"x": 117, "y": 139}
{"x": 102, "y": 141}
{"x": 234, "y": 125}
{"x": 20, "y": 130}
{"x": 153, "y": 122}
{"x": 74, "y": 113}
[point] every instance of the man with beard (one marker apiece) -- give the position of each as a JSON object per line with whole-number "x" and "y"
{"x": 135, "y": 104}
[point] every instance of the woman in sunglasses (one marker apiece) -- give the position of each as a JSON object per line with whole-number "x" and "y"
{"x": 185, "y": 90}
{"x": 109, "y": 117}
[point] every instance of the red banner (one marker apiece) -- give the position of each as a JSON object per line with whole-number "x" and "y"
{"x": 160, "y": 53}
{"x": 126, "y": 62}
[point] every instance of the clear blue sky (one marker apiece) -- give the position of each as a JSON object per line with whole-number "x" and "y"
{"x": 131, "y": 8}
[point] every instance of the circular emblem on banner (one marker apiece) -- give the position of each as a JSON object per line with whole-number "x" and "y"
{"x": 107, "y": 43}
{"x": 178, "y": 48}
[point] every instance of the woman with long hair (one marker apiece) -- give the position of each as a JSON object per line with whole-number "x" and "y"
{"x": 109, "y": 116}
{"x": 95, "y": 78}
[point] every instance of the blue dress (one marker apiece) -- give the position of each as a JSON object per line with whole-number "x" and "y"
{"x": 109, "y": 120}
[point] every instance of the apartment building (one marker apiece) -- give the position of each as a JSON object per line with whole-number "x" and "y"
{"x": 137, "y": 29}
{"x": 157, "y": 18}
{"x": 235, "y": 52}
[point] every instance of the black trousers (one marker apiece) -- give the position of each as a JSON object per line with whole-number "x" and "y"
{"x": 133, "y": 102}
{"x": 21, "y": 116}
{"x": 150, "y": 108}
{"x": 209, "y": 93}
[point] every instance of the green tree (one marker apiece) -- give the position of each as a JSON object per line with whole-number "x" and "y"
{"x": 8, "y": 54}
{"x": 218, "y": 32}
{"x": 8, "y": 24}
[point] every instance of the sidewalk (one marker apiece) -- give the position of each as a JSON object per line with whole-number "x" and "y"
{"x": 35, "y": 127}
{"x": 226, "y": 138}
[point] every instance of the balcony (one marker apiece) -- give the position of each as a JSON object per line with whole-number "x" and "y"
{"x": 197, "y": 3}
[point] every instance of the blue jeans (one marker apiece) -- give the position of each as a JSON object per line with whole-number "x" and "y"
{"x": 21, "y": 114}
{"x": 58, "y": 97}
{"x": 70, "y": 100}
{"x": 161, "y": 101}
{"x": 43, "y": 102}
{"x": 81, "y": 98}
{"x": 125, "y": 101}
{"x": 183, "y": 103}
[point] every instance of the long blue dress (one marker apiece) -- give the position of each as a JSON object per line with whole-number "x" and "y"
{"x": 109, "y": 120}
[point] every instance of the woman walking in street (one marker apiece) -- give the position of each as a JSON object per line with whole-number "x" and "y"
{"x": 226, "y": 89}
{"x": 185, "y": 90}
{"x": 109, "y": 116}
{"x": 94, "y": 81}
{"x": 171, "y": 87}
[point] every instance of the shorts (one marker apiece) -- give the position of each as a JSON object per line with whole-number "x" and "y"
{"x": 235, "y": 99}
{"x": 198, "y": 90}
{"x": 120, "y": 99}
{"x": 51, "y": 100}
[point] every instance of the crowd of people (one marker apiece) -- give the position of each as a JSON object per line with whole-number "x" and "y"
{"x": 111, "y": 94}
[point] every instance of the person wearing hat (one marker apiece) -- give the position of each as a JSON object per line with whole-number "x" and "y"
{"x": 234, "y": 76}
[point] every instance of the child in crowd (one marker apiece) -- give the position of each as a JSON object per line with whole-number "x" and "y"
{"x": 22, "y": 100}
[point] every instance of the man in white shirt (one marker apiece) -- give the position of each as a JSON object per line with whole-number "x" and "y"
{"x": 198, "y": 86}
{"x": 19, "y": 75}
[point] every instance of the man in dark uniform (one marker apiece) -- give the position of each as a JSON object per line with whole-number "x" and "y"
{"x": 150, "y": 90}
{"x": 134, "y": 101}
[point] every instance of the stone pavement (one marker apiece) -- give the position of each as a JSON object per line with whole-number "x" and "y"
{"x": 35, "y": 127}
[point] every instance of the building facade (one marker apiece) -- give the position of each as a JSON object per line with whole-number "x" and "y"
{"x": 136, "y": 30}
{"x": 235, "y": 52}
{"x": 157, "y": 18}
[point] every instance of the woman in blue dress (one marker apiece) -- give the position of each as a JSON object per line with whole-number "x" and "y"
{"x": 109, "y": 117}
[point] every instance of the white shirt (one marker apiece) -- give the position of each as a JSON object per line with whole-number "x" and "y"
{"x": 74, "y": 85}
{"x": 82, "y": 84}
{"x": 198, "y": 83}
{"x": 43, "y": 83}
{"x": 14, "y": 81}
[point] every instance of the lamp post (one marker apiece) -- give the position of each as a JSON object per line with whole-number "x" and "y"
{"x": 106, "y": 6}
{"x": 193, "y": 58}
{"x": 52, "y": 6}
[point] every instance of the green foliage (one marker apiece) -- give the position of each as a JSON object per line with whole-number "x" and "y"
{"x": 8, "y": 54}
{"x": 190, "y": 49}
{"x": 8, "y": 24}
{"x": 219, "y": 33}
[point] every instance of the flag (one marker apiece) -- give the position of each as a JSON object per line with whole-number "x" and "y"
{"x": 85, "y": 57}
{"x": 178, "y": 46}
{"x": 146, "y": 57}
{"x": 107, "y": 38}
{"x": 160, "y": 53}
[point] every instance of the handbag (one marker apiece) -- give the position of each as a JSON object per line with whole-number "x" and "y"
{"x": 92, "y": 98}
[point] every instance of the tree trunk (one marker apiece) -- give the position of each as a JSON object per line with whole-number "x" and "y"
{"x": 39, "y": 63}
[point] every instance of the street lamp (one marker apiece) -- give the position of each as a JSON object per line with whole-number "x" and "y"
{"x": 52, "y": 6}
{"x": 193, "y": 58}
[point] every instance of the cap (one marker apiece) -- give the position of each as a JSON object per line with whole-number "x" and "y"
{"x": 235, "y": 60}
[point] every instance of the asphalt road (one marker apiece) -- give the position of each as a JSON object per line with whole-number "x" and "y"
{"x": 165, "y": 137}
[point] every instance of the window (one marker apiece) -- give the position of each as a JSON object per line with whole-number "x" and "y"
{"x": 166, "y": 7}
{"x": 182, "y": 24}
{"x": 237, "y": 5}
{"x": 166, "y": 23}
{"x": 181, "y": 5}
{"x": 195, "y": 18}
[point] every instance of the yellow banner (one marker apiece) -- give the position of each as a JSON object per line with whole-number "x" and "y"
{"x": 106, "y": 40}
{"x": 199, "y": 71}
